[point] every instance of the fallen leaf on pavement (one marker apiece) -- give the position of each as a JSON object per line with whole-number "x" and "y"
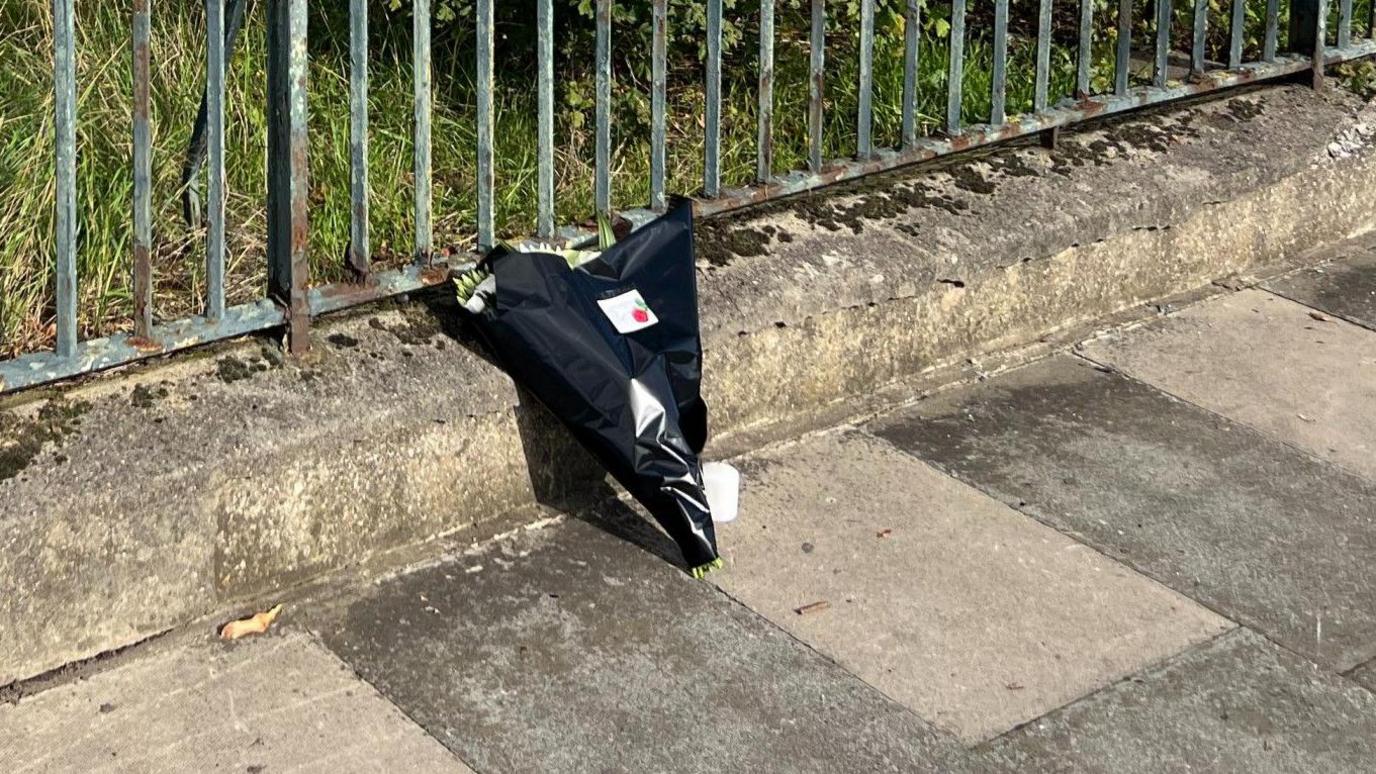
{"x": 883, "y": 533}
{"x": 246, "y": 626}
{"x": 1319, "y": 317}
{"x": 815, "y": 607}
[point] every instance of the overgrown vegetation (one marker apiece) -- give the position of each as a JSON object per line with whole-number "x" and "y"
{"x": 105, "y": 179}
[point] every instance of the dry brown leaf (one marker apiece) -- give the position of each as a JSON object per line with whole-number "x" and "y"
{"x": 815, "y": 607}
{"x": 246, "y": 626}
{"x": 1319, "y": 317}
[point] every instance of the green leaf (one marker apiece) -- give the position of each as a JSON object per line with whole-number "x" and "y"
{"x": 605, "y": 236}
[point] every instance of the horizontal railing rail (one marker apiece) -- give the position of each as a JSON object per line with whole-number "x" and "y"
{"x": 291, "y": 301}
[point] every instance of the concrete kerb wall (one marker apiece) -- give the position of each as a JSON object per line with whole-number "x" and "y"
{"x": 200, "y": 482}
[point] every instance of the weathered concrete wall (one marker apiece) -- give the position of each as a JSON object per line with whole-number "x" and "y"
{"x": 148, "y": 498}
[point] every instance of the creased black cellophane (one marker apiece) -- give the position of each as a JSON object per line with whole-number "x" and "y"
{"x": 633, "y": 400}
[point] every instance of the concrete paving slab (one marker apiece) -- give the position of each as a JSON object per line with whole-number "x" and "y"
{"x": 276, "y": 703}
{"x": 974, "y": 615}
{"x": 1261, "y": 532}
{"x": 1240, "y": 704}
{"x": 1346, "y": 288}
{"x": 1267, "y": 362}
{"x": 568, "y": 649}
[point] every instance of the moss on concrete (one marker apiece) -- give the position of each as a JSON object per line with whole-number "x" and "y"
{"x": 22, "y": 439}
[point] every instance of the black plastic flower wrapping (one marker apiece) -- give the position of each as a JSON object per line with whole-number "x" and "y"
{"x": 610, "y": 343}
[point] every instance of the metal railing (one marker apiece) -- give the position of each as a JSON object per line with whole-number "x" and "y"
{"x": 291, "y": 301}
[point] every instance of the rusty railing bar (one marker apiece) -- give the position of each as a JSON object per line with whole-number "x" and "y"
{"x": 1163, "y": 43}
{"x": 956, "y": 67}
{"x": 486, "y": 175}
{"x": 360, "y": 249}
{"x": 816, "y": 83}
{"x": 338, "y": 297}
{"x": 1042, "y": 80}
{"x": 658, "y": 107}
{"x": 864, "y": 114}
{"x": 143, "y": 171}
{"x": 288, "y": 170}
{"x": 711, "y": 174}
{"x": 65, "y": 221}
{"x": 764, "y": 139}
{"x": 912, "y": 21}
{"x": 998, "y": 97}
{"x": 98, "y": 354}
{"x": 1235, "y": 31}
{"x": 420, "y": 63}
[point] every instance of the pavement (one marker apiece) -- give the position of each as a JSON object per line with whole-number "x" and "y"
{"x": 1151, "y": 553}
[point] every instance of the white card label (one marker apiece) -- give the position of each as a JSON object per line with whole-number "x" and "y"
{"x": 628, "y": 312}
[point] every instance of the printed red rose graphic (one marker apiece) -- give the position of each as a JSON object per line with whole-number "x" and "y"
{"x": 640, "y": 316}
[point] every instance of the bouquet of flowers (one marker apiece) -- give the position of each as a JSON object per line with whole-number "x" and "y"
{"x": 608, "y": 340}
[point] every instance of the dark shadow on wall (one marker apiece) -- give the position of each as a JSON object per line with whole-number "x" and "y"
{"x": 563, "y": 475}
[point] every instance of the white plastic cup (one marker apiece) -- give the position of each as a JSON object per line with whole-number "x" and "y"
{"x": 723, "y": 484}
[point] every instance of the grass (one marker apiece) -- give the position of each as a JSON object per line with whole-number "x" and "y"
{"x": 105, "y": 180}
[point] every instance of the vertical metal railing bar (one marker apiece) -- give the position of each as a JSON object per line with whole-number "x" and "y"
{"x": 420, "y": 58}
{"x": 1084, "y": 49}
{"x": 1122, "y": 61}
{"x": 1235, "y": 33}
{"x": 658, "y": 104}
{"x": 1268, "y": 46}
{"x": 1320, "y": 42}
{"x": 1042, "y": 79}
{"x": 998, "y": 97}
{"x": 711, "y": 182}
{"x": 143, "y": 171}
{"x": 215, "y": 154}
{"x": 196, "y": 151}
{"x": 288, "y": 168}
{"x": 956, "y": 67}
{"x": 1344, "y": 23}
{"x": 912, "y": 20}
{"x": 1163, "y": 43}
{"x": 360, "y": 249}
{"x": 864, "y": 114}
{"x": 764, "y": 154}
{"x": 603, "y": 141}
{"x": 816, "y": 84}
{"x": 486, "y": 175}
{"x": 1201, "y": 17}
{"x": 64, "y": 103}
{"x": 544, "y": 219}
